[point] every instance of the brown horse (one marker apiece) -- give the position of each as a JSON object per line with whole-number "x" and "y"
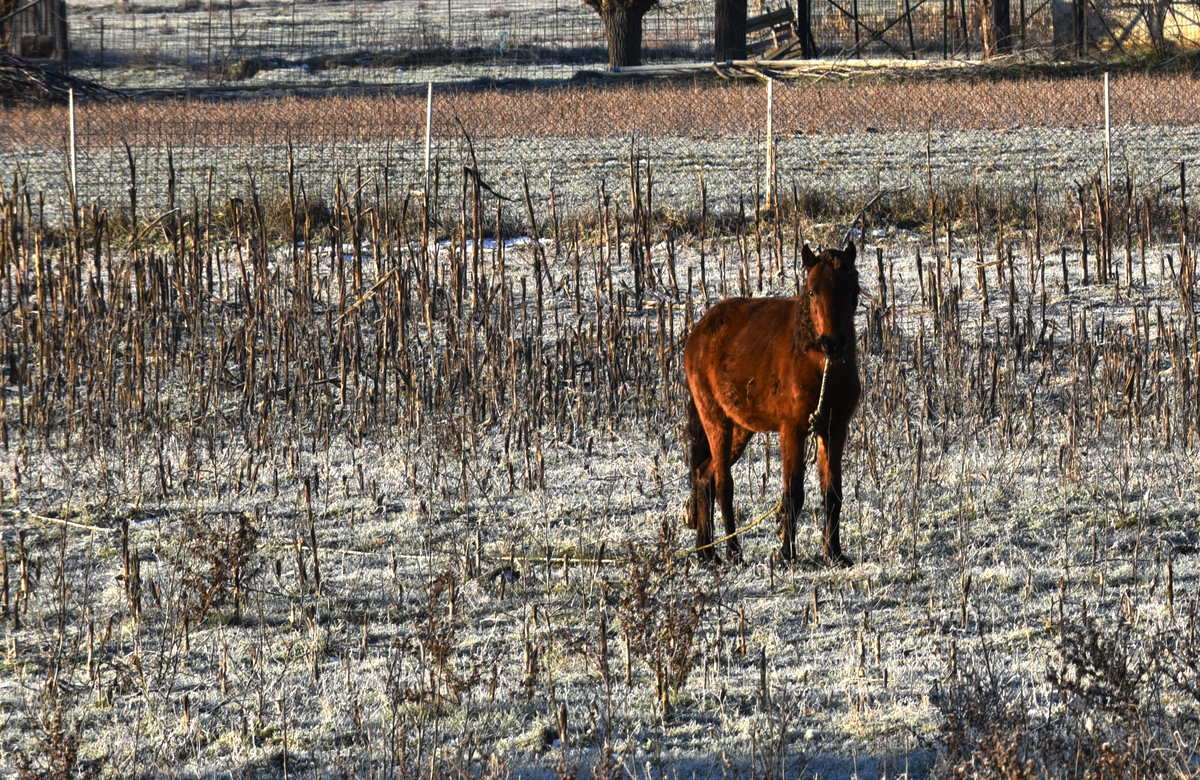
{"x": 774, "y": 364}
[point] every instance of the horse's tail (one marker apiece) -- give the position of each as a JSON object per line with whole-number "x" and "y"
{"x": 700, "y": 505}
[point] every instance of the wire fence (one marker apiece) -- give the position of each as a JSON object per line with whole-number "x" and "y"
{"x": 371, "y": 41}
{"x": 401, "y": 41}
{"x": 701, "y": 140}
{"x": 35, "y": 28}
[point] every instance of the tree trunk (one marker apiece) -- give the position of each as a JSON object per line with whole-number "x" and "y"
{"x": 1002, "y": 25}
{"x": 987, "y": 29}
{"x": 808, "y": 46}
{"x": 1063, "y": 23}
{"x": 1155, "y": 14}
{"x": 729, "y": 30}
{"x": 1079, "y": 20}
{"x": 623, "y": 26}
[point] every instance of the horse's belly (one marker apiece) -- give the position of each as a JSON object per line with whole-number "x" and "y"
{"x": 762, "y": 405}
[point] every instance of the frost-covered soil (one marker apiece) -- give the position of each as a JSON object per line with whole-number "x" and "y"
{"x": 801, "y": 669}
{"x": 857, "y": 164}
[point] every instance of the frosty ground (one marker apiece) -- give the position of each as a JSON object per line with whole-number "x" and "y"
{"x": 456, "y": 619}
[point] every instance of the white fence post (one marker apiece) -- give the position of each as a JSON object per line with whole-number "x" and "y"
{"x": 770, "y": 143}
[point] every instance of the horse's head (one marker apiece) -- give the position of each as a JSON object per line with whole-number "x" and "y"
{"x": 831, "y": 294}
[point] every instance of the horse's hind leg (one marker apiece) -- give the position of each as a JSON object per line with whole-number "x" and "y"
{"x": 791, "y": 447}
{"x": 720, "y": 440}
{"x": 700, "y": 506}
{"x": 829, "y": 458}
{"x": 700, "y": 512}
{"x": 738, "y": 438}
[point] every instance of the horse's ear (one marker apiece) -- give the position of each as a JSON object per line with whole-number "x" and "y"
{"x": 808, "y": 257}
{"x": 849, "y": 253}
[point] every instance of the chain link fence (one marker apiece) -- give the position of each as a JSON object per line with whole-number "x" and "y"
{"x": 702, "y": 140}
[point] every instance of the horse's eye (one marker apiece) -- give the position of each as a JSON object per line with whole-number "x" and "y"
{"x": 812, "y": 293}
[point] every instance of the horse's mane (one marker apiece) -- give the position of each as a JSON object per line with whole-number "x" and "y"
{"x": 804, "y": 335}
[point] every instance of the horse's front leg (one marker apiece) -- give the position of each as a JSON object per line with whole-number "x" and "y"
{"x": 830, "y": 447}
{"x": 791, "y": 446}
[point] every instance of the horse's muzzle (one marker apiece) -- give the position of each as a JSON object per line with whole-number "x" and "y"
{"x": 834, "y": 347}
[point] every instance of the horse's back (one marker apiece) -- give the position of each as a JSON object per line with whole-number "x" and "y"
{"x": 739, "y": 319}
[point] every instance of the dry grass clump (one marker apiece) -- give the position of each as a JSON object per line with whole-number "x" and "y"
{"x": 59, "y": 734}
{"x": 435, "y": 643}
{"x": 25, "y": 83}
{"x": 218, "y": 562}
{"x": 661, "y": 608}
{"x": 1123, "y": 706}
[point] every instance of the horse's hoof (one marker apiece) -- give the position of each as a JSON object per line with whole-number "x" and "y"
{"x": 707, "y": 554}
{"x": 839, "y": 560}
{"x": 735, "y": 558}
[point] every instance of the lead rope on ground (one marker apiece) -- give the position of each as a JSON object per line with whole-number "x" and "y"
{"x": 773, "y": 510}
